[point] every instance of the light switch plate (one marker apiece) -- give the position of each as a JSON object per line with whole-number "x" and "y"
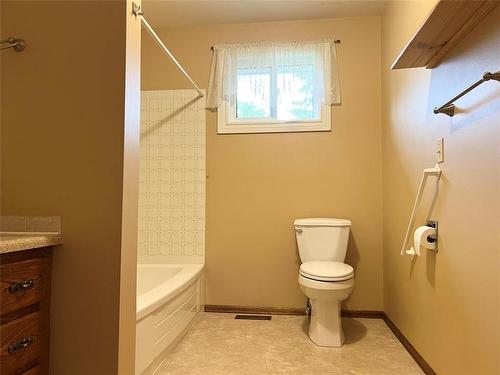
{"x": 440, "y": 150}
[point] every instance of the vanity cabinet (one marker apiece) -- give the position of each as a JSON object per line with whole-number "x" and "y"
{"x": 25, "y": 311}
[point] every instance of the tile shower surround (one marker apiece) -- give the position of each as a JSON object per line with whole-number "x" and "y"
{"x": 172, "y": 177}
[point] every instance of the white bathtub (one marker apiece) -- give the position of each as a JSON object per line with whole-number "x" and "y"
{"x": 168, "y": 298}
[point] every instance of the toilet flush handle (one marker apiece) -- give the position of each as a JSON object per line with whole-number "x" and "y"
{"x": 298, "y": 230}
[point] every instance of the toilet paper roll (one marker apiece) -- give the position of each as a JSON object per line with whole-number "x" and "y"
{"x": 421, "y": 238}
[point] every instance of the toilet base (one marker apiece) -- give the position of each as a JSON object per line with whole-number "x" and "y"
{"x": 325, "y": 328}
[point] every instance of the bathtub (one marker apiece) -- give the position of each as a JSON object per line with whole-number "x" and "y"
{"x": 169, "y": 296}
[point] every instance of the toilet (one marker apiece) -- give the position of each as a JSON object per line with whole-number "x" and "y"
{"x": 324, "y": 277}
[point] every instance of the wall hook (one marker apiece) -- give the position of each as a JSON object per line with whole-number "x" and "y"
{"x": 17, "y": 44}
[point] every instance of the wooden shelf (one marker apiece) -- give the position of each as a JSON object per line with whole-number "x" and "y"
{"x": 448, "y": 23}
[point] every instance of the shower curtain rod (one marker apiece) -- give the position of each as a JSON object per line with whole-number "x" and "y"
{"x": 136, "y": 10}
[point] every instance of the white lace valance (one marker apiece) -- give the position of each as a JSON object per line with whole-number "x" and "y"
{"x": 229, "y": 58}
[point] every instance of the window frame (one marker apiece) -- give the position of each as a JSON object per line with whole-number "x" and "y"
{"x": 228, "y": 123}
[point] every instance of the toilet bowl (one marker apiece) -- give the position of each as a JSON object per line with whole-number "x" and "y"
{"x": 323, "y": 276}
{"x": 325, "y": 297}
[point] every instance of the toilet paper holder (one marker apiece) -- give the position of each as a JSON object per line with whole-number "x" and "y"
{"x": 434, "y": 172}
{"x": 433, "y": 237}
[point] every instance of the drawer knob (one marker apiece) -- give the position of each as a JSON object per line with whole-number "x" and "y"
{"x": 21, "y": 344}
{"x": 23, "y": 285}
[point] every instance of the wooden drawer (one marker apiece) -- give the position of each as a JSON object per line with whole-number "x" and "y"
{"x": 21, "y": 344}
{"x": 23, "y": 283}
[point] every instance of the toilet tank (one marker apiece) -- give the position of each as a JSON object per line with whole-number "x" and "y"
{"x": 322, "y": 239}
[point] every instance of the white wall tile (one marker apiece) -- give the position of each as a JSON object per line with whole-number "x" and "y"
{"x": 172, "y": 177}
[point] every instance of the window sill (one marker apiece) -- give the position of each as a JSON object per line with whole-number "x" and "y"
{"x": 225, "y": 127}
{"x": 274, "y": 128}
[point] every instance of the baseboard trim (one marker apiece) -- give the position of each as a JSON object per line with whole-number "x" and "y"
{"x": 421, "y": 362}
{"x": 367, "y": 314}
{"x": 253, "y": 310}
{"x": 370, "y": 314}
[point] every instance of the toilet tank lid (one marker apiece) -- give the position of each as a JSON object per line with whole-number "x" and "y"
{"x": 322, "y": 222}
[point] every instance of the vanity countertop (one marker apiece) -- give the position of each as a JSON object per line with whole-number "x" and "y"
{"x": 18, "y": 241}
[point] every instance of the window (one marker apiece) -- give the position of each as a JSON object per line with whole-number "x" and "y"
{"x": 281, "y": 87}
{"x": 253, "y": 94}
{"x": 285, "y": 93}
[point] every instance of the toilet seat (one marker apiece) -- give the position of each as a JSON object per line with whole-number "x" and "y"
{"x": 326, "y": 271}
{"x": 317, "y": 286}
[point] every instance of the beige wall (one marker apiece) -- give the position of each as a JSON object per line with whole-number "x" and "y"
{"x": 447, "y": 304}
{"x": 62, "y": 151}
{"x": 258, "y": 183}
